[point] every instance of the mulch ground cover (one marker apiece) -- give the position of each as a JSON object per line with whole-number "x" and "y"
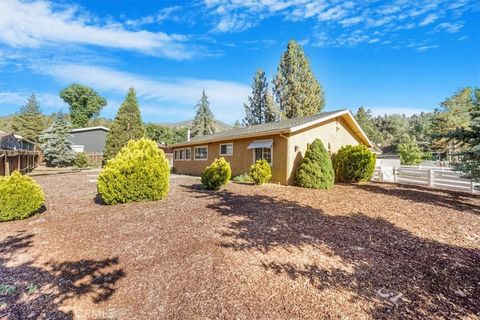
{"x": 245, "y": 252}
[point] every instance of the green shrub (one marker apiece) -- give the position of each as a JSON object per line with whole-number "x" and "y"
{"x": 139, "y": 172}
{"x": 81, "y": 160}
{"x": 244, "y": 177}
{"x": 216, "y": 175}
{"x": 316, "y": 170}
{"x": 260, "y": 172}
{"x": 354, "y": 163}
{"x": 20, "y": 197}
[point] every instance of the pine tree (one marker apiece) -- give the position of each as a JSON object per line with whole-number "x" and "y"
{"x": 29, "y": 122}
{"x": 84, "y": 102}
{"x": 296, "y": 90}
{"x": 364, "y": 119}
{"x": 410, "y": 153}
{"x": 454, "y": 114}
{"x": 204, "y": 122}
{"x": 56, "y": 145}
{"x": 126, "y": 126}
{"x": 469, "y": 138}
{"x": 237, "y": 124}
{"x": 261, "y": 107}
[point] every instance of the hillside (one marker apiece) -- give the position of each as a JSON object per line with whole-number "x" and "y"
{"x": 221, "y": 126}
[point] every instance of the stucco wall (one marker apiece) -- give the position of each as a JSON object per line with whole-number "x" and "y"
{"x": 241, "y": 160}
{"x": 335, "y": 132}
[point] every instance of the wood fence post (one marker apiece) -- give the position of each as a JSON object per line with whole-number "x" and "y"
{"x": 395, "y": 174}
{"x": 7, "y": 165}
{"x": 430, "y": 177}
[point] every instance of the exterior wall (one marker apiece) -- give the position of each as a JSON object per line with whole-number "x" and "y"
{"x": 94, "y": 140}
{"x": 241, "y": 160}
{"x": 334, "y": 133}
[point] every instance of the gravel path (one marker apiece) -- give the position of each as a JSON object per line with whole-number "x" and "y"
{"x": 246, "y": 252}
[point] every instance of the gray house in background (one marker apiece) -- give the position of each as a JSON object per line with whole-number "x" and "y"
{"x": 91, "y": 140}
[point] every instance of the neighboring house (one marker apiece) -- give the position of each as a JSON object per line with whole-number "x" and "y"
{"x": 90, "y": 140}
{"x": 11, "y": 141}
{"x": 282, "y": 144}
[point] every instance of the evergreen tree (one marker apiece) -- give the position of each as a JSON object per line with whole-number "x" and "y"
{"x": 469, "y": 138}
{"x": 364, "y": 119}
{"x": 410, "y": 153}
{"x": 84, "y": 103}
{"x": 29, "y": 122}
{"x": 126, "y": 126}
{"x": 261, "y": 107}
{"x": 454, "y": 114}
{"x": 316, "y": 170}
{"x": 56, "y": 145}
{"x": 296, "y": 90}
{"x": 237, "y": 124}
{"x": 204, "y": 122}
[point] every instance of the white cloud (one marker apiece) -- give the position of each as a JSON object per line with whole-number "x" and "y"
{"x": 429, "y": 19}
{"x": 226, "y": 97}
{"x": 41, "y": 23}
{"x": 426, "y": 47}
{"x": 15, "y": 99}
{"x": 163, "y": 15}
{"x": 449, "y": 27}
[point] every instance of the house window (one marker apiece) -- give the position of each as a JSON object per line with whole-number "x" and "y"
{"x": 188, "y": 154}
{"x": 182, "y": 154}
{"x": 177, "y": 155}
{"x": 226, "y": 149}
{"x": 201, "y": 153}
{"x": 263, "y": 153}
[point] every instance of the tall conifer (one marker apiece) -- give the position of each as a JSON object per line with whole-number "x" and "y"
{"x": 261, "y": 107}
{"x": 126, "y": 126}
{"x": 29, "y": 122}
{"x": 204, "y": 122}
{"x": 296, "y": 90}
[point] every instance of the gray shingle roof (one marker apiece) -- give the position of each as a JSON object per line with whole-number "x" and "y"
{"x": 260, "y": 128}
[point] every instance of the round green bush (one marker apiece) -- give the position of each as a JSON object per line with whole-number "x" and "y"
{"x": 354, "y": 163}
{"x": 81, "y": 160}
{"x": 316, "y": 170}
{"x": 139, "y": 172}
{"x": 20, "y": 197}
{"x": 260, "y": 172}
{"x": 216, "y": 175}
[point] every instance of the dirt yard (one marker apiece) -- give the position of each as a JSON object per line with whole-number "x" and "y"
{"x": 246, "y": 252}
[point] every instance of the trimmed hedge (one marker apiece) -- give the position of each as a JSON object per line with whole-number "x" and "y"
{"x": 216, "y": 175}
{"x": 20, "y": 197}
{"x": 316, "y": 170}
{"x": 354, "y": 163}
{"x": 81, "y": 160}
{"x": 139, "y": 172}
{"x": 260, "y": 172}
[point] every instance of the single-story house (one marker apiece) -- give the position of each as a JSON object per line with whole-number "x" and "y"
{"x": 91, "y": 140}
{"x": 282, "y": 144}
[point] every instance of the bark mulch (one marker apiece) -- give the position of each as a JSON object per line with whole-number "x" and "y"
{"x": 245, "y": 252}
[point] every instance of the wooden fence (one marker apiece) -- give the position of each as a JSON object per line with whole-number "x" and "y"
{"x": 21, "y": 160}
{"x": 435, "y": 177}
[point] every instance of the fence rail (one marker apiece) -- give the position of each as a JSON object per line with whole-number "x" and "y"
{"x": 21, "y": 160}
{"x": 440, "y": 178}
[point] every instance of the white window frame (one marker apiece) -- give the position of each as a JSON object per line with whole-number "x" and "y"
{"x": 195, "y": 153}
{"x": 175, "y": 158}
{"x": 189, "y": 158}
{"x": 220, "y": 149}
{"x": 271, "y": 154}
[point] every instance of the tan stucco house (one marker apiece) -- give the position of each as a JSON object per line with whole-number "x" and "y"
{"x": 282, "y": 144}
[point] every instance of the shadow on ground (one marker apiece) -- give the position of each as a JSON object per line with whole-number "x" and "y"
{"x": 29, "y": 291}
{"x": 448, "y": 199}
{"x": 404, "y": 275}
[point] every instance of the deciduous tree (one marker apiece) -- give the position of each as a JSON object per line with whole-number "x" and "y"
{"x": 84, "y": 103}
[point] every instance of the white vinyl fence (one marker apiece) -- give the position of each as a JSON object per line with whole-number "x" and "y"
{"x": 435, "y": 177}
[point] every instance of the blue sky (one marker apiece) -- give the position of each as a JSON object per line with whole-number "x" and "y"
{"x": 390, "y": 56}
